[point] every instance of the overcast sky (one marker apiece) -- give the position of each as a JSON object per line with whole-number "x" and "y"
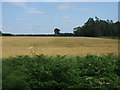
{"x": 43, "y": 17}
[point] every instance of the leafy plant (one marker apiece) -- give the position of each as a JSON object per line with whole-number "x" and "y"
{"x": 40, "y": 71}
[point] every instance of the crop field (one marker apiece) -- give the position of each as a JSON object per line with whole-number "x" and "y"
{"x": 71, "y": 46}
{"x": 53, "y": 69}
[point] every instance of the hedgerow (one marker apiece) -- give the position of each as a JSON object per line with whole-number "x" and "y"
{"x": 40, "y": 71}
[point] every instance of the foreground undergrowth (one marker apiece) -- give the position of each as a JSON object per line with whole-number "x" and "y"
{"x": 40, "y": 71}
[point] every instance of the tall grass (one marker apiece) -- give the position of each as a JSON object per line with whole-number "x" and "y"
{"x": 40, "y": 71}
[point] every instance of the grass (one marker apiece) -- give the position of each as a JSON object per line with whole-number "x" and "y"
{"x": 40, "y": 71}
{"x": 71, "y": 46}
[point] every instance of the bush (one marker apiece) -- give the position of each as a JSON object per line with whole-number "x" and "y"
{"x": 40, "y": 71}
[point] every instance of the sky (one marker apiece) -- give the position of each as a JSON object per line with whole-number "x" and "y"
{"x": 0, "y": 16}
{"x": 60, "y": 0}
{"x": 44, "y": 17}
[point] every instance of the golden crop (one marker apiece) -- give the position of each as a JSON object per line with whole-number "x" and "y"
{"x": 12, "y": 46}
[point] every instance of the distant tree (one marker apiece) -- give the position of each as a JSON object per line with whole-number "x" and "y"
{"x": 57, "y": 31}
{"x": 88, "y": 28}
{"x": 77, "y": 31}
{"x": 66, "y": 34}
{"x": 0, "y": 33}
{"x": 98, "y": 28}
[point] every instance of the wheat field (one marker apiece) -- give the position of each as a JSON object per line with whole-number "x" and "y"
{"x": 73, "y": 46}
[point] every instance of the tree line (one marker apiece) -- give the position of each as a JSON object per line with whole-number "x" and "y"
{"x": 98, "y": 28}
{"x": 91, "y": 28}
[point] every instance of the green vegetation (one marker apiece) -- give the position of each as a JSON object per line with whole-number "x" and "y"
{"x": 98, "y": 28}
{"x": 56, "y": 31}
{"x": 40, "y": 71}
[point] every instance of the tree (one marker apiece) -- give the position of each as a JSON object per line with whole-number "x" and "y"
{"x": 0, "y": 33}
{"x": 57, "y": 31}
{"x": 77, "y": 31}
{"x": 98, "y": 28}
{"x": 89, "y": 28}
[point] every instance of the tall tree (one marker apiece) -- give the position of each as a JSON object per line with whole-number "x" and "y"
{"x": 98, "y": 28}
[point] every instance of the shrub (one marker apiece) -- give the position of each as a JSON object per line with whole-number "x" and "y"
{"x": 40, "y": 71}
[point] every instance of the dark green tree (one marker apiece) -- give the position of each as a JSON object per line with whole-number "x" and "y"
{"x": 0, "y": 33}
{"x": 98, "y": 28}
{"x": 57, "y": 31}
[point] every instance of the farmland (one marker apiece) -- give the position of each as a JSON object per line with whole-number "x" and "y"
{"x": 63, "y": 62}
{"x": 71, "y": 46}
